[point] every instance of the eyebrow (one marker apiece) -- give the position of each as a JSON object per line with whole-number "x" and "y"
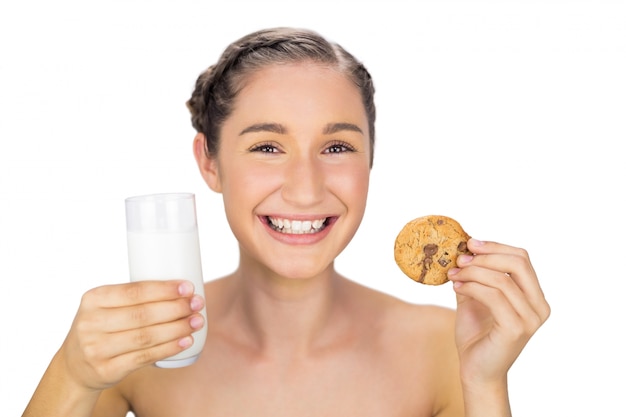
{"x": 264, "y": 127}
{"x": 329, "y": 129}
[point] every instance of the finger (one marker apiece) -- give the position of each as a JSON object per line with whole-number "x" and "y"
{"x": 505, "y": 327}
{"x": 483, "y": 246}
{"x": 118, "y": 319}
{"x": 510, "y": 260}
{"x": 491, "y": 299}
{"x": 511, "y": 297}
{"x": 145, "y": 338}
{"x": 122, "y": 363}
{"x": 139, "y": 292}
{"x": 515, "y": 265}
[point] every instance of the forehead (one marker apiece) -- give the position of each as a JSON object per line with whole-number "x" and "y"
{"x": 275, "y": 75}
{"x": 288, "y": 88}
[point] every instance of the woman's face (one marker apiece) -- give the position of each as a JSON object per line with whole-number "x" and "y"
{"x": 293, "y": 168}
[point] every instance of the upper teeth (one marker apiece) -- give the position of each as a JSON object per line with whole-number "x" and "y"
{"x": 296, "y": 226}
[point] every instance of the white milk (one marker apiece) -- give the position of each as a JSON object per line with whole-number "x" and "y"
{"x": 169, "y": 255}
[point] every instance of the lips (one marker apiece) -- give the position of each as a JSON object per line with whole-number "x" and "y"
{"x": 297, "y": 227}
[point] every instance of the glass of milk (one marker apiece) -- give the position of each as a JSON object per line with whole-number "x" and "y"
{"x": 163, "y": 244}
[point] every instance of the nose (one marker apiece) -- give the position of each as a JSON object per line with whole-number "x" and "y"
{"x": 303, "y": 184}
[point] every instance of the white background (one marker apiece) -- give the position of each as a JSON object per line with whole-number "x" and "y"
{"x": 508, "y": 116}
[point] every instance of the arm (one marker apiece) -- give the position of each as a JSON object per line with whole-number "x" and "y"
{"x": 500, "y": 306}
{"x": 117, "y": 330}
{"x": 58, "y": 395}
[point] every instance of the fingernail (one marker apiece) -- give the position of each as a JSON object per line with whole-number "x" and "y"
{"x": 465, "y": 259}
{"x": 196, "y": 303}
{"x": 185, "y": 342}
{"x": 457, "y": 284}
{"x": 196, "y": 322}
{"x": 453, "y": 271}
{"x": 185, "y": 288}
{"x": 476, "y": 242}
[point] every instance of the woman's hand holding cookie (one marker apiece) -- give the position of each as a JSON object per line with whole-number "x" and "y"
{"x": 500, "y": 306}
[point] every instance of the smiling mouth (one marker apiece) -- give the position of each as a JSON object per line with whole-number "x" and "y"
{"x": 297, "y": 227}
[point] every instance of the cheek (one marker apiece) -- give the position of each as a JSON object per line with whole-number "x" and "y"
{"x": 248, "y": 182}
{"x": 353, "y": 184}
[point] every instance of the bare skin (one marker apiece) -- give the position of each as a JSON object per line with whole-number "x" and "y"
{"x": 321, "y": 347}
{"x": 287, "y": 335}
{"x": 371, "y": 355}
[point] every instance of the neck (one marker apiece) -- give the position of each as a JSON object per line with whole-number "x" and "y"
{"x": 285, "y": 317}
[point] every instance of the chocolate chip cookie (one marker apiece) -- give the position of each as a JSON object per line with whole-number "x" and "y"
{"x": 427, "y": 247}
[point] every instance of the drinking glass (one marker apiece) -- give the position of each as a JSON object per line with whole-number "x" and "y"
{"x": 163, "y": 244}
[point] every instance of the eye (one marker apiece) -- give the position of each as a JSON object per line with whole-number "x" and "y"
{"x": 339, "y": 147}
{"x": 264, "y": 148}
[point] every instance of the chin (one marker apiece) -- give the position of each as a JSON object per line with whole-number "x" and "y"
{"x": 301, "y": 272}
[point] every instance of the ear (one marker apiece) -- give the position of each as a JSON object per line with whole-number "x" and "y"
{"x": 209, "y": 168}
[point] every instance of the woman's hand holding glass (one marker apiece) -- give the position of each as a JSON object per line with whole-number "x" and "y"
{"x": 121, "y": 328}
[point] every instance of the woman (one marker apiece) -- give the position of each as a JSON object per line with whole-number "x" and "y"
{"x": 285, "y": 124}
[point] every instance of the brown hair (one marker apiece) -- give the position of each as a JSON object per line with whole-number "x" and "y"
{"x": 216, "y": 88}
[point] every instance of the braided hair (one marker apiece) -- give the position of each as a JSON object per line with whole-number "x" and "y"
{"x": 217, "y": 87}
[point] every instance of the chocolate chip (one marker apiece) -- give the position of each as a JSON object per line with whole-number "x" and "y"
{"x": 462, "y": 247}
{"x": 443, "y": 262}
{"x": 431, "y": 249}
{"x": 422, "y": 275}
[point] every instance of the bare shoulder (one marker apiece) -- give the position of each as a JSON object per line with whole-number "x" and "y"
{"x": 417, "y": 344}
{"x": 111, "y": 403}
{"x": 428, "y": 323}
